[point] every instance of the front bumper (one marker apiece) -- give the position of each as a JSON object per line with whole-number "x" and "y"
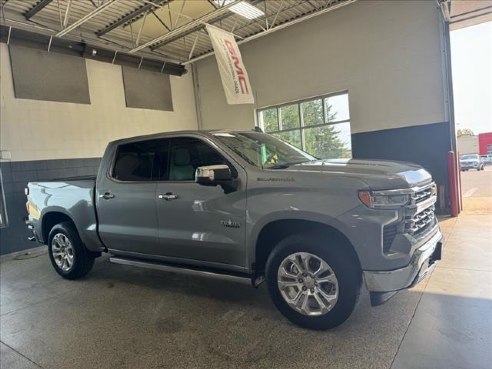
{"x": 469, "y": 166}
{"x": 384, "y": 284}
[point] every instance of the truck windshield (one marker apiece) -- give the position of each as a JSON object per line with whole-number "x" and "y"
{"x": 263, "y": 150}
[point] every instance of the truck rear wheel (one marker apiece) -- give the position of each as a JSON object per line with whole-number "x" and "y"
{"x": 68, "y": 254}
{"x": 314, "y": 284}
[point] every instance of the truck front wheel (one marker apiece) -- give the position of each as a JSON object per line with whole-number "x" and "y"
{"x": 68, "y": 254}
{"x": 314, "y": 284}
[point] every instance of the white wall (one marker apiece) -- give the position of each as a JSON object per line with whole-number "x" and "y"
{"x": 36, "y": 130}
{"x": 386, "y": 53}
{"x": 468, "y": 145}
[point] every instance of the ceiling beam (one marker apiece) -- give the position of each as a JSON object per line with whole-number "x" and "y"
{"x": 197, "y": 28}
{"x": 178, "y": 32}
{"x": 40, "y": 5}
{"x": 130, "y": 17}
{"x": 84, "y": 19}
{"x": 160, "y": 20}
{"x": 67, "y": 13}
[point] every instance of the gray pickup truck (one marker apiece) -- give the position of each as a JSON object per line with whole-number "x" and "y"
{"x": 246, "y": 206}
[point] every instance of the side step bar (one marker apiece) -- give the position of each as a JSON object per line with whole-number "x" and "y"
{"x": 180, "y": 270}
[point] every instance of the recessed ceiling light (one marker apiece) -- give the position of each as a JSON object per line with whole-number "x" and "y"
{"x": 242, "y": 8}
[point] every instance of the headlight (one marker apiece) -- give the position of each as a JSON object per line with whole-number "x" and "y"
{"x": 376, "y": 200}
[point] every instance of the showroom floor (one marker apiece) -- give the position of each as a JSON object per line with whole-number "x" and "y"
{"x": 123, "y": 317}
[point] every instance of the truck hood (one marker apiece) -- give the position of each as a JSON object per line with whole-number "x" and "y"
{"x": 378, "y": 174}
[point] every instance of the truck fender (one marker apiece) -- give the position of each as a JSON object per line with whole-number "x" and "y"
{"x": 293, "y": 215}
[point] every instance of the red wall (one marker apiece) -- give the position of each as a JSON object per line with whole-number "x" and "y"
{"x": 484, "y": 140}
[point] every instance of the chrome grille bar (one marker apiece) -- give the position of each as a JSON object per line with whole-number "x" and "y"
{"x": 421, "y": 211}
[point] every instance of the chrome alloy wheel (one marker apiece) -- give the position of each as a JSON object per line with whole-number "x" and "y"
{"x": 62, "y": 251}
{"x": 307, "y": 284}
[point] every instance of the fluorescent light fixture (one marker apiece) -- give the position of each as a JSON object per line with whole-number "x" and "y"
{"x": 246, "y": 10}
{"x": 242, "y": 8}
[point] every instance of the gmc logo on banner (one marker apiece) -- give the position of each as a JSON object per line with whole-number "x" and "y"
{"x": 233, "y": 73}
{"x": 239, "y": 71}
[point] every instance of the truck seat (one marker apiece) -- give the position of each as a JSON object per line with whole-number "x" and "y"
{"x": 125, "y": 167}
{"x": 181, "y": 168}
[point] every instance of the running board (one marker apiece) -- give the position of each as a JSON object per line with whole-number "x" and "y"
{"x": 180, "y": 270}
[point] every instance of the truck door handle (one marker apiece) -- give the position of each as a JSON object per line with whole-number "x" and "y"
{"x": 168, "y": 196}
{"x": 106, "y": 196}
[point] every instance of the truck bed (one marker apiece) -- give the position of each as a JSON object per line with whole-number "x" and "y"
{"x": 72, "y": 197}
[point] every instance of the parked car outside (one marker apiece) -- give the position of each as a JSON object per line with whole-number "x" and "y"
{"x": 471, "y": 161}
{"x": 487, "y": 159}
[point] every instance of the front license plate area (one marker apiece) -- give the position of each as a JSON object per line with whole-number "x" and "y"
{"x": 437, "y": 254}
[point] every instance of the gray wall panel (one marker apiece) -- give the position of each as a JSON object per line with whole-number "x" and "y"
{"x": 427, "y": 145}
{"x": 147, "y": 90}
{"x": 14, "y": 236}
{"x": 40, "y": 75}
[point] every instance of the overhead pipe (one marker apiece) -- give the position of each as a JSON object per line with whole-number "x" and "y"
{"x": 87, "y": 50}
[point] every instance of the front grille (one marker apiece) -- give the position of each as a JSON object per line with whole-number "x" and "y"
{"x": 418, "y": 216}
{"x": 422, "y": 195}
{"x": 420, "y": 213}
{"x": 421, "y": 221}
{"x": 389, "y": 234}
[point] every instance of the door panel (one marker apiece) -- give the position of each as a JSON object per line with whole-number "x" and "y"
{"x": 202, "y": 223}
{"x": 128, "y": 221}
{"x": 126, "y": 197}
{"x": 198, "y": 222}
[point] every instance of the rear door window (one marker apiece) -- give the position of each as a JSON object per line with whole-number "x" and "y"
{"x": 141, "y": 161}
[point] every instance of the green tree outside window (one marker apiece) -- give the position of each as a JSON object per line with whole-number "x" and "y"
{"x": 319, "y": 126}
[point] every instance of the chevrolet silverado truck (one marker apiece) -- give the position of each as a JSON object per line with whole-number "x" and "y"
{"x": 246, "y": 206}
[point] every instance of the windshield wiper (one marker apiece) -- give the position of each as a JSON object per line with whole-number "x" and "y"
{"x": 279, "y": 165}
{"x": 285, "y": 165}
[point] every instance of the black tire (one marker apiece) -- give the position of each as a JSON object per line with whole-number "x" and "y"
{"x": 341, "y": 260}
{"x": 83, "y": 259}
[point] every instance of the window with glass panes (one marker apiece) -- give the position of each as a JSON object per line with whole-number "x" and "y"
{"x": 319, "y": 126}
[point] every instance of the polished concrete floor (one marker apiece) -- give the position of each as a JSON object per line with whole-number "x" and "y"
{"x": 123, "y": 317}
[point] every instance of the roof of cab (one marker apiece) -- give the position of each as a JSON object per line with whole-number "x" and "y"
{"x": 175, "y": 133}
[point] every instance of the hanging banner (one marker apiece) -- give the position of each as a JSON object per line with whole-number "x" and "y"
{"x": 231, "y": 68}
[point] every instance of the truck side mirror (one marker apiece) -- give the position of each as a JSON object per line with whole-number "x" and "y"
{"x": 213, "y": 174}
